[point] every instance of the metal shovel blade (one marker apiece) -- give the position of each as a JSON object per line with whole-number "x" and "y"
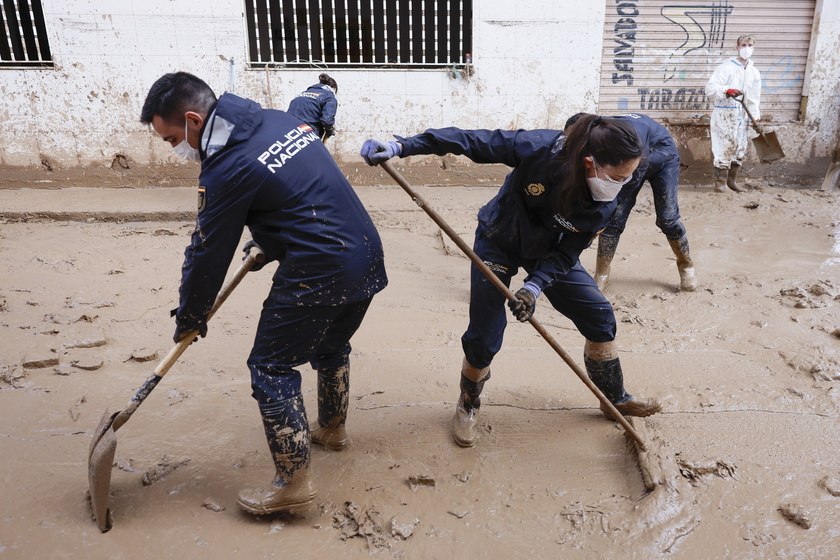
{"x": 100, "y": 462}
{"x": 103, "y": 447}
{"x": 831, "y": 176}
{"x": 768, "y": 148}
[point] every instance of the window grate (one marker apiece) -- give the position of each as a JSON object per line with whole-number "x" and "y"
{"x": 378, "y": 33}
{"x": 23, "y": 34}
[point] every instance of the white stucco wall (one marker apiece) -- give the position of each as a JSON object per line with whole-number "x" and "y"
{"x": 819, "y": 133}
{"x": 535, "y": 62}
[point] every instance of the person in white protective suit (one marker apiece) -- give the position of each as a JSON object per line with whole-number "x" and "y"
{"x": 730, "y": 126}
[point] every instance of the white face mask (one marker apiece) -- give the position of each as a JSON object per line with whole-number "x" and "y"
{"x": 745, "y": 52}
{"x": 604, "y": 190}
{"x": 184, "y": 149}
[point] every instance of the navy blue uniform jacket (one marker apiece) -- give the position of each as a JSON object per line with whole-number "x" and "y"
{"x": 519, "y": 218}
{"x": 316, "y": 105}
{"x": 651, "y": 134}
{"x": 264, "y": 169}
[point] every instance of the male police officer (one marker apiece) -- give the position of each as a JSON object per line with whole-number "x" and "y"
{"x": 269, "y": 171}
{"x": 661, "y": 167}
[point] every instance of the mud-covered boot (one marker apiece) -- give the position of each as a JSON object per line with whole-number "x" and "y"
{"x": 465, "y": 421}
{"x": 333, "y": 400}
{"x": 605, "y": 372}
{"x": 688, "y": 280}
{"x": 606, "y": 252}
{"x": 288, "y": 440}
{"x": 732, "y": 176}
{"x": 720, "y": 179}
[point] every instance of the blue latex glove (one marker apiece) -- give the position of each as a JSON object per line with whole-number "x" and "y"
{"x": 375, "y": 152}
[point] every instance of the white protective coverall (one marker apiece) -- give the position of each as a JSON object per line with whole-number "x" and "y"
{"x": 730, "y": 125}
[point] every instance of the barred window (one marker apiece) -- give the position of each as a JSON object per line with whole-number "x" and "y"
{"x": 23, "y": 34}
{"x": 347, "y": 33}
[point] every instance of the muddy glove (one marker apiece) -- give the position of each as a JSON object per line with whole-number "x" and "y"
{"x": 182, "y": 331}
{"x": 375, "y": 152}
{"x": 247, "y": 249}
{"x": 526, "y": 302}
{"x": 733, "y": 93}
{"x": 329, "y": 131}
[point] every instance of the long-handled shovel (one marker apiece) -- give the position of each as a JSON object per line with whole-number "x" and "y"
{"x": 766, "y": 144}
{"x": 651, "y": 472}
{"x": 104, "y": 444}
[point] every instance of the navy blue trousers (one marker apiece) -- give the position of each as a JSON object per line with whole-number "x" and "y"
{"x": 575, "y": 295}
{"x": 290, "y": 335}
{"x": 663, "y": 173}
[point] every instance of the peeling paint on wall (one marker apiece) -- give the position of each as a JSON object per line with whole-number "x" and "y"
{"x": 532, "y": 68}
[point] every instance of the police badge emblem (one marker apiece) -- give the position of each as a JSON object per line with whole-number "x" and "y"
{"x": 535, "y": 189}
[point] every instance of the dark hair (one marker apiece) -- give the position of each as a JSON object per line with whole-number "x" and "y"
{"x": 609, "y": 141}
{"x": 174, "y": 94}
{"x": 325, "y": 79}
{"x": 572, "y": 120}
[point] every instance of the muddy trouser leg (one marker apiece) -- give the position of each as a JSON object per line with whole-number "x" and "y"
{"x": 608, "y": 239}
{"x": 604, "y": 369}
{"x": 577, "y": 297}
{"x": 483, "y": 338}
{"x": 287, "y": 433}
{"x": 287, "y": 336}
{"x": 664, "y": 184}
{"x": 725, "y": 131}
{"x": 742, "y": 142}
{"x": 332, "y": 361}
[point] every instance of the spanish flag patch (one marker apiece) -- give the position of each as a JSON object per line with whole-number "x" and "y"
{"x": 202, "y": 198}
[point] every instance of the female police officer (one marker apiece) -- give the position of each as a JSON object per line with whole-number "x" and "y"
{"x": 559, "y": 195}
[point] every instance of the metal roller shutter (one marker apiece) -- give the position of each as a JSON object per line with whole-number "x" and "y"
{"x": 659, "y": 54}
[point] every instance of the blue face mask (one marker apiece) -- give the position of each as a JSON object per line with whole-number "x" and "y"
{"x": 184, "y": 149}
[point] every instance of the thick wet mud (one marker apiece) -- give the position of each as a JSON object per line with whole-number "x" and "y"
{"x": 748, "y": 368}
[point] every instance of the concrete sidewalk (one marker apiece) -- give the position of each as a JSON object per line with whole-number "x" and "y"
{"x": 99, "y": 204}
{"x": 161, "y": 204}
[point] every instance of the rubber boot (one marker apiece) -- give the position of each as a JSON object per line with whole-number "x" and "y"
{"x": 733, "y": 174}
{"x": 465, "y": 421}
{"x": 688, "y": 281}
{"x": 606, "y": 252}
{"x": 333, "y": 400}
{"x": 720, "y": 179}
{"x": 604, "y": 369}
{"x": 288, "y": 440}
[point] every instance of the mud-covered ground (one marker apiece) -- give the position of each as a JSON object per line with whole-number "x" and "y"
{"x": 748, "y": 368}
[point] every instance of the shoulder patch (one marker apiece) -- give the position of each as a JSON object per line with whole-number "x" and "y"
{"x": 535, "y": 189}
{"x": 202, "y": 198}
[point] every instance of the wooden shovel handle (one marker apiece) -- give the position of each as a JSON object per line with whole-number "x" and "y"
{"x": 476, "y": 260}
{"x": 740, "y": 99}
{"x": 254, "y": 256}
